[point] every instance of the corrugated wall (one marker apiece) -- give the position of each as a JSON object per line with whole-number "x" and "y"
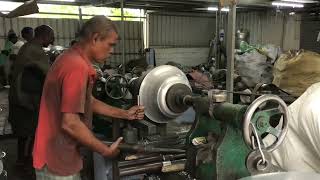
{"x": 310, "y": 29}
{"x": 190, "y": 31}
{"x": 65, "y": 30}
{"x": 271, "y": 28}
{"x": 181, "y": 31}
{"x": 133, "y": 42}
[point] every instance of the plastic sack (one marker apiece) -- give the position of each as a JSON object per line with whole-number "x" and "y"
{"x": 300, "y": 150}
{"x": 271, "y": 51}
{"x": 254, "y": 68}
{"x": 294, "y": 72}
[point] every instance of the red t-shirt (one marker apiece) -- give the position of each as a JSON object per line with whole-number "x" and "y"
{"x": 67, "y": 89}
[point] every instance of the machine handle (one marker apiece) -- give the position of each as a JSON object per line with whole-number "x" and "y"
{"x": 251, "y": 111}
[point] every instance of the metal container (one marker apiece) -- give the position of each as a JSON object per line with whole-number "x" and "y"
{"x": 241, "y": 36}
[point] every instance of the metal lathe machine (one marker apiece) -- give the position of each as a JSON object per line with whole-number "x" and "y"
{"x": 224, "y": 142}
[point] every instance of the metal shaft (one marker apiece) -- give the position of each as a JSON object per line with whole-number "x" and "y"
{"x": 140, "y": 148}
{"x": 168, "y": 166}
{"x": 139, "y": 156}
{"x": 151, "y": 160}
{"x": 147, "y": 168}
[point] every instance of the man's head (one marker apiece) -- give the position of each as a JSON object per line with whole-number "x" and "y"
{"x": 27, "y": 33}
{"x": 44, "y": 34}
{"x": 99, "y": 34}
{"x": 12, "y": 36}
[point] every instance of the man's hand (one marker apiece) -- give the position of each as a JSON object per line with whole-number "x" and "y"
{"x": 136, "y": 113}
{"x": 113, "y": 150}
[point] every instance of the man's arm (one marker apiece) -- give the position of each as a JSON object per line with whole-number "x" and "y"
{"x": 98, "y": 107}
{"x": 73, "y": 126}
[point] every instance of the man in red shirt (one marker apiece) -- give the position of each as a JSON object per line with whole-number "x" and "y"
{"x": 67, "y": 105}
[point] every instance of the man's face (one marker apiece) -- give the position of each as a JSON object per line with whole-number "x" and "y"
{"x": 103, "y": 47}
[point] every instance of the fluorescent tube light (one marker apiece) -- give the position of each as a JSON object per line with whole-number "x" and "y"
{"x": 294, "y": 5}
{"x": 64, "y": 0}
{"x": 300, "y": 1}
{"x": 216, "y": 9}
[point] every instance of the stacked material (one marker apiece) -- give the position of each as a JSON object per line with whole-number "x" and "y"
{"x": 294, "y": 72}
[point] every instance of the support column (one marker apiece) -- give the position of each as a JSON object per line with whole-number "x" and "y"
{"x": 231, "y": 50}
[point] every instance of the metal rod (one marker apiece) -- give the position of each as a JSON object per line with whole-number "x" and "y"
{"x": 139, "y": 156}
{"x": 230, "y": 50}
{"x": 218, "y": 43}
{"x": 167, "y": 166}
{"x": 141, "y": 148}
{"x": 254, "y": 94}
{"x": 151, "y": 160}
{"x": 123, "y": 38}
{"x": 153, "y": 167}
{"x": 72, "y": 14}
{"x": 80, "y": 18}
{"x": 115, "y": 135}
{"x": 147, "y": 30}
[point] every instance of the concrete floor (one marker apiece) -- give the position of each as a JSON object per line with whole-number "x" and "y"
{"x": 9, "y": 146}
{"x": 8, "y": 143}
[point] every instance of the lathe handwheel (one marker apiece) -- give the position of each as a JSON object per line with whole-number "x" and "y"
{"x": 261, "y": 121}
{"x": 116, "y": 86}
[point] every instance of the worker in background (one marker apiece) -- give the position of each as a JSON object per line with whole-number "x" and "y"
{"x": 27, "y": 35}
{"x": 29, "y": 71}
{"x": 67, "y": 105}
{"x": 4, "y": 57}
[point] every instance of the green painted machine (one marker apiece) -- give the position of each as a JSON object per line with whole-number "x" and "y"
{"x": 226, "y": 149}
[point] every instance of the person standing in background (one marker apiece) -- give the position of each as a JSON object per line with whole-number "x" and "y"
{"x": 4, "y": 57}
{"x": 27, "y": 35}
{"x": 28, "y": 74}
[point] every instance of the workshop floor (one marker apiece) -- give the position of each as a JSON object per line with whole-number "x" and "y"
{"x": 9, "y": 145}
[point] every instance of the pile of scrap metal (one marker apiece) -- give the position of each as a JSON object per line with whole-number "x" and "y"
{"x": 253, "y": 76}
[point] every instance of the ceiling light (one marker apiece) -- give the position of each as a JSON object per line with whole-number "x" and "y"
{"x": 292, "y": 13}
{"x": 294, "y": 5}
{"x": 212, "y": 9}
{"x": 64, "y": 0}
{"x": 300, "y": 1}
{"x": 216, "y": 9}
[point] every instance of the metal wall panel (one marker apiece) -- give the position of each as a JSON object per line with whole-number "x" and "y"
{"x": 310, "y": 29}
{"x": 181, "y": 31}
{"x": 191, "y": 31}
{"x": 65, "y": 30}
{"x": 271, "y": 28}
{"x": 133, "y": 43}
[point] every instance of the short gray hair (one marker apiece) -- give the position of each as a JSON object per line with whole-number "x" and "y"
{"x": 98, "y": 24}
